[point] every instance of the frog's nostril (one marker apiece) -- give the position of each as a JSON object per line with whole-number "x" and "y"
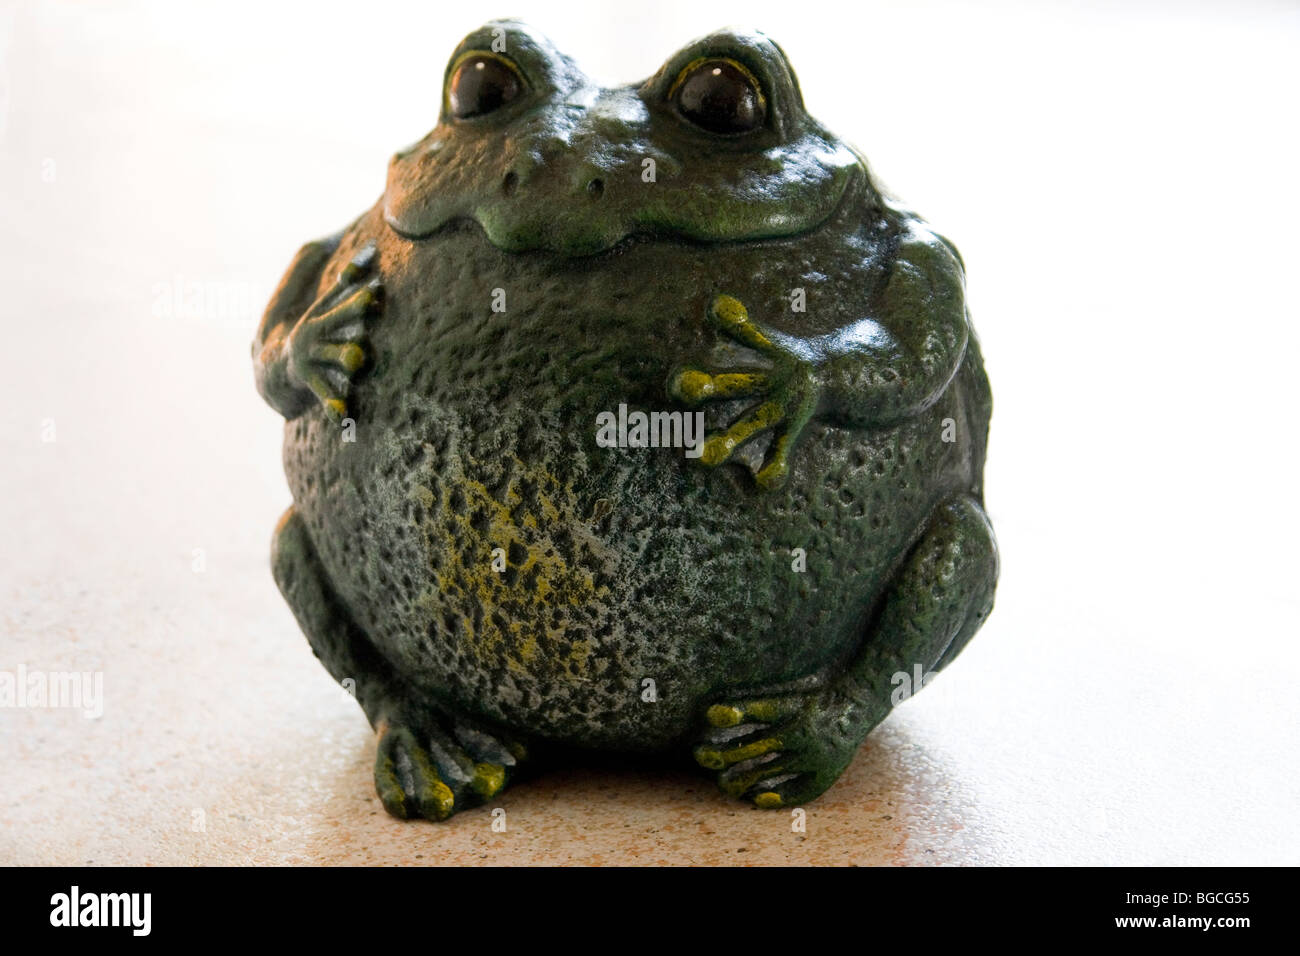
{"x": 509, "y": 183}
{"x": 596, "y": 188}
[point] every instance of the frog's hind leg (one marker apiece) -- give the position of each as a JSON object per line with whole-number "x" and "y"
{"x": 942, "y": 596}
{"x": 430, "y": 763}
{"x": 787, "y": 749}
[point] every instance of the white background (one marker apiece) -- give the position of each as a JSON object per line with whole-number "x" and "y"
{"x": 1122, "y": 181}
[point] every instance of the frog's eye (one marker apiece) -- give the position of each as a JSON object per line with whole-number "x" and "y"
{"x": 719, "y": 95}
{"x": 481, "y": 83}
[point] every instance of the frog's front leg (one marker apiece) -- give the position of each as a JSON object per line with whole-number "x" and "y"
{"x": 897, "y": 360}
{"x": 786, "y": 750}
{"x": 786, "y": 394}
{"x": 430, "y": 762}
{"x": 308, "y": 351}
{"x": 874, "y": 372}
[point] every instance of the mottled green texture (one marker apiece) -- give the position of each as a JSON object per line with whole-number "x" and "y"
{"x": 864, "y": 421}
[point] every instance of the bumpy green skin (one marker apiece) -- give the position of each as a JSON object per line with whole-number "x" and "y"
{"x": 771, "y": 591}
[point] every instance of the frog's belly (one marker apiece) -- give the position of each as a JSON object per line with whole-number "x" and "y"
{"x": 461, "y": 528}
{"x": 475, "y": 552}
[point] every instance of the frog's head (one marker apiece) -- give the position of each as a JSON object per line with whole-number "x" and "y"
{"x": 714, "y": 147}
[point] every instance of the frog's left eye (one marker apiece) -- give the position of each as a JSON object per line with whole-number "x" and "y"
{"x": 481, "y": 83}
{"x": 719, "y": 95}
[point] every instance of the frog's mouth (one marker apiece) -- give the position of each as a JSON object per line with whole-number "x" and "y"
{"x": 580, "y": 208}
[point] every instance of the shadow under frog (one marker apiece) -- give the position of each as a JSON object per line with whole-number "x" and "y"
{"x": 496, "y": 584}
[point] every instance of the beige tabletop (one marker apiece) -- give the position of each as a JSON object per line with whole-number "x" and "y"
{"x": 1123, "y": 186}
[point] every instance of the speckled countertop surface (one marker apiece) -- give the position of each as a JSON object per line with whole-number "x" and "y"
{"x": 1132, "y": 698}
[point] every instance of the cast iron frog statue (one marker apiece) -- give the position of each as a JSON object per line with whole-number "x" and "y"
{"x": 487, "y": 578}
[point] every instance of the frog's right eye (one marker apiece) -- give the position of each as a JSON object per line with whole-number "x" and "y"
{"x": 481, "y": 83}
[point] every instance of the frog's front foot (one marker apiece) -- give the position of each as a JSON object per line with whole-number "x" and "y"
{"x": 433, "y": 771}
{"x": 328, "y": 345}
{"x": 786, "y": 394}
{"x": 777, "y": 751}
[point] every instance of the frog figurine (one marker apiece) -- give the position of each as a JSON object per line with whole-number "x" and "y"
{"x": 494, "y": 583}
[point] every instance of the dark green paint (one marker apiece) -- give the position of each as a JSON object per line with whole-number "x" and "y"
{"x": 426, "y": 430}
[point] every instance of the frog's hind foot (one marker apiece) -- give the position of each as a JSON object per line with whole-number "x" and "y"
{"x": 433, "y": 769}
{"x": 781, "y": 750}
{"x": 774, "y": 751}
{"x": 430, "y": 764}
